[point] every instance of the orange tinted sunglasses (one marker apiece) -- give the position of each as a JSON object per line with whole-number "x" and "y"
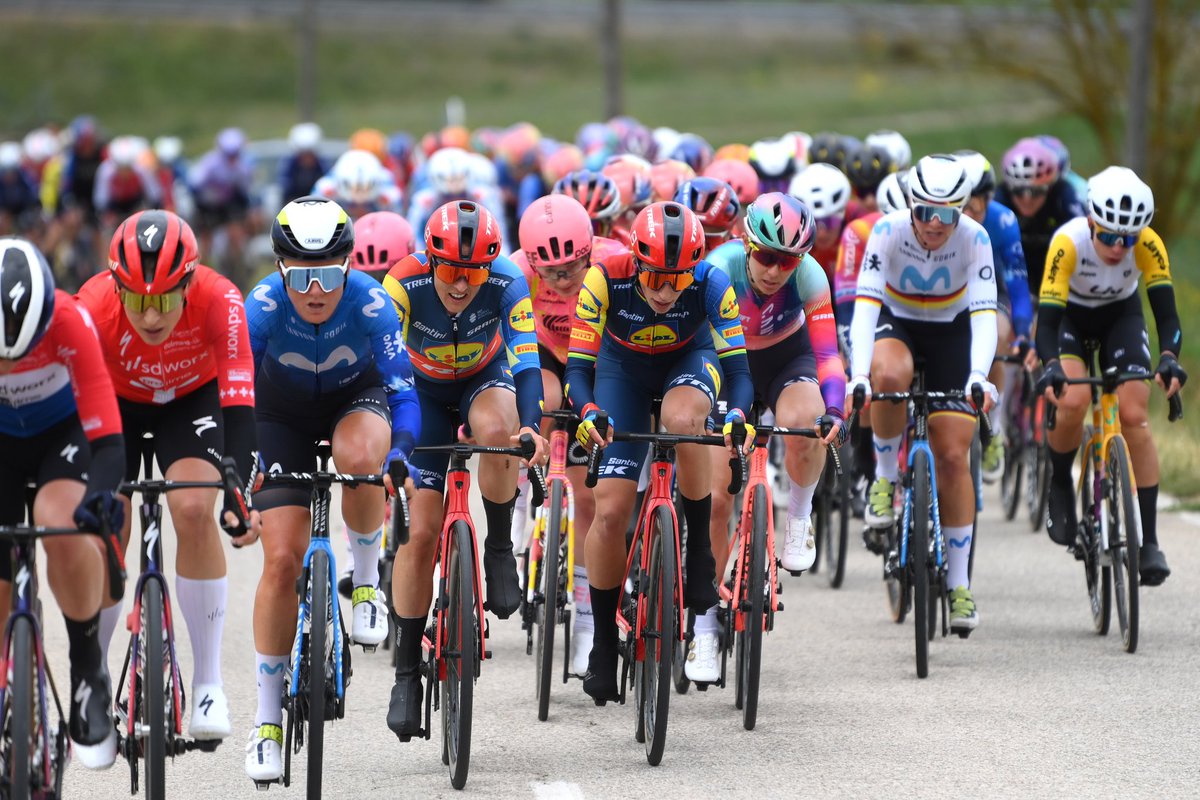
{"x": 451, "y": 271}
{"x": 655, "y": 279}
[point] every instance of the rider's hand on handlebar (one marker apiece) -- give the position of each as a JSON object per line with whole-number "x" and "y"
{"x": 97, "y": 507}
{"x": 390, "y": 467}
{"x": 990, "y": 395}
{"x": 1053, "y": 381}
{"x": 865, "y": 383}
{"x": 832, "y": 427}
{"x": 736, "y": 415}
{"x": 1169, "y": 374}
{"x": 586, "y": 434}
{"x": 541, "y": 448}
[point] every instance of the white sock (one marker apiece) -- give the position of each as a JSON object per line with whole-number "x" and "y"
{"x": 887, "y": 457}
{"x": 203, "y": 605}
{"x": 364, "y": 549}
{"x": 800, "y": 499}
{"x": 706, "y": 622}
{"x": 109, "y": 617}
{"x": 958, "y": 554}
{"x": 269, "y": 673}
{"x": 583, "y": 599}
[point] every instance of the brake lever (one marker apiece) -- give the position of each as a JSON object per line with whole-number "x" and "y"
{"x": 537, "y": 483}
{"x": 593, "y": 466}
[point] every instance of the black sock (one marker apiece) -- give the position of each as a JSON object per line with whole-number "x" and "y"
{"x": 698, "y": 515}
{"x": 408, "y": 644}
{"x": 604, "y": 613}
{"x": 499, "y": 523}
{"x": 84, "y": 644}
{"x": 864, "y": 453}
{"x": 1060, "y": 467}
{"x": 1148, "y": 504}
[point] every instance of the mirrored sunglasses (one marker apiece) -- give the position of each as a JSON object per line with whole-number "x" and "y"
{"x": 162, "y": 303}
{"x": 773, "y": 258}
{"x": 945, "y": 214}
{"x": 451, "y": 271}
{"x": 1110, "y": 239}
{"x": 655, "y": 279}
{"x": 329, "y": 276}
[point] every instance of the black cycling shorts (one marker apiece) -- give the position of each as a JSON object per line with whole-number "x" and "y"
{"x": 1119, "y": 328}
{"x": 944, "y": 348}
{"x": 192, "y": 426}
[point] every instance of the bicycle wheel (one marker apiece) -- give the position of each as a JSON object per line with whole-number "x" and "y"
{"x": 678, "y": 676}
{"x": 461, "y": 650}
{"x": 662, "y": 630}
{"x": 749, "y": 639}
{"x": 314, "y": 659}
{"x": 1123, "y": 524}
{"x": 839, "y": 531}
{"x": 1037, "y": 463}
{"x": 896, "y": 581}
{"x": 918, "y": 547}
{"x": 822, "y": 518}
{"x": 1098, "y": 578}
{"x": 545, "y": 615}
{"x": 976, "y": 465}
{"x": 1014, "y": 463}
{"x": 154, "y": 699}
{"x": 17, "y": 745}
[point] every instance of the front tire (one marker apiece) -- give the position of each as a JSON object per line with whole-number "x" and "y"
{"x": 461, "y": 652}
{"x": 1123, "y": 525}
{"x": 922, "y": 507}
{"x": 319, "y": 615}
{"x": 545, "y": 615}
{"x": 18, "y": 713}
{"x": 154, "y": 698}
{"x": 749, "y": 639}
{"x": 662, "y": 617}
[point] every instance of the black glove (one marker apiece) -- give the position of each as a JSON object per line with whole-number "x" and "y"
{"x": 826, "y": 423}
{"x": 97, "y": 506}
{"x": 1052, "y": 377}
{"x": 1168, "y": 368}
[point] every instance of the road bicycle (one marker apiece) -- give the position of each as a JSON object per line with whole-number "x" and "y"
{"x": 35, "y": 747}
{"x": 319, "y": 667}
{"x": 150, "y": 715}
{"x": 1109, "y": 531}
{"x": 455, "y": 644}
{"x": 548, "y": 589}
{"x": 831, "y": 517}
{"x": 915, "y": 562}
{"x": 651, "y": 602}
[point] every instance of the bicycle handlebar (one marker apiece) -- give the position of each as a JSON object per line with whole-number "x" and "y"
{"x": 113, "y": 553}
{"x": 229, "y": 482}
{"x": 1174, "y": 402}
{"x": 737, "y": 464}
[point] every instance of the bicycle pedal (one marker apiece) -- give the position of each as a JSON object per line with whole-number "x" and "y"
{"x": 778, "y": 606}
{"x": 487, "y": 654}
{"x": 262, "y": 786}
{"x": 702, "y": 687}
{"x": 963, "y": 633}
{"x": 796, "y": 573}
{"x": 368, "y": 648}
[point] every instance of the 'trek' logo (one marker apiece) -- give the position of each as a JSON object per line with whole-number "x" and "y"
{"x": 651, "y": 227}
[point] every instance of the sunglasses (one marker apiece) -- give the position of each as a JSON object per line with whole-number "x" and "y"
{"x": 1109, "y": 239}
{"x": 162, "y": 303}
{"x": 655, "y": 279}
{"x": 330, "y": 276}
{"x": 565, "y": 272}
{"x": 831, "y": 223}
{"x": 773, "y": 258}
{"x": 946, "y": 214}
{"x": 451, "y": 271}
{"x": 1031, "y": 191}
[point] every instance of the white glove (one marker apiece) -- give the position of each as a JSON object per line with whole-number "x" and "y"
{"x": 860, "y": 380}
{"x": 988, "y": 388}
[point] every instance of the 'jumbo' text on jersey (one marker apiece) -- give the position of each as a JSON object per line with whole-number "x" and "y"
{"x": 1075, "y": 274}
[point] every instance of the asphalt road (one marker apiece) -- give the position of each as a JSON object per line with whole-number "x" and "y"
{"x": 1034, "y": 704}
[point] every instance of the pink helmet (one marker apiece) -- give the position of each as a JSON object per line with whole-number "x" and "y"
{"x": 555, "y": 230}
{"x": 738, "y": 174}
{"x": 381, "y": 238}
{"x": 1030, "y": 162}
{"x": 557, "y": 165}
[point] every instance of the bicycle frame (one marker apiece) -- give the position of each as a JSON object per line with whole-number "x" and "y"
{"x": 758, "y": 476}
{"x": 560, "y": 445}
{"x": 1106, "y": 427}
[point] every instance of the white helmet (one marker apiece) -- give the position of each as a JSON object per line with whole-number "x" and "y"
{"x": 28, "y": 288}
{"x": 449, "y": 171}
{"x": 824, "y": 188}
{"x": 895, "y": 144}
{"x": 41, "y": 144}
{"x": 939, "y": 180}
{"x": 168, "y": 149}
{"x": 1119, "y": 201}
{"x": 776, "y": 158}
{"x": 304, "y": 136}
{"x": 892, "y": 194}
{"x": 10, "y": 155}
{"x": 665, "y": 140}
{"x": 356, "y": 177}
{"x": 481, "y": 171}
{"x": 979, "y": 171}
{"x": 125, "y": 150}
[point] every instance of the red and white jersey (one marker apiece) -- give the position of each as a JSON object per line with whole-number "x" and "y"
{"x": 210, "y": 341}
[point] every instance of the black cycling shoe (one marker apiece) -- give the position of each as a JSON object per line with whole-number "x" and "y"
{"x": 1061, "y": 523}
{"x": 600, "y": 680}
{"x": 404, "y": 710}
{"x": 91, "y": 720}
{"x": 1153, "y": 568}
{"x": 500, "y": 573}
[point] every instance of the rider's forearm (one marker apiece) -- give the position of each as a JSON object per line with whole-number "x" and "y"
{"x": 1166, "y": 319}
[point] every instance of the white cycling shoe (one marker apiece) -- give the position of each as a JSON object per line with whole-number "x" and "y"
{"x": 264, "y": 754}
{"x": 799, "y": 546}
{"x": 97, "y": 756}
{"x": 210, "y": 712}
{"x": 703, "y": 662}
{"x": 370, "y": 624}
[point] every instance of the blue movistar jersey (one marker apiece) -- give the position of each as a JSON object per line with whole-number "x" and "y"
{"x": 360, "y": 342}
{"x": 1001, "y": 225}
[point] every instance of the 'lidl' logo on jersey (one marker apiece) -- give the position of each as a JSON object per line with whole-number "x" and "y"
{"x": 521, "y": 318}
{"x": 587, "y": 308}
{"x": 653, "y": 336}
{"x": 729, "y": 305}
{"x": 465, "y": 356}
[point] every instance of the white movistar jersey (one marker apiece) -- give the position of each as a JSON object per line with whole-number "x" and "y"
{"x": 925, "y": 285}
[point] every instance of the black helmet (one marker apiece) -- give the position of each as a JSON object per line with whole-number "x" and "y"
{"x": 312, "y": 229}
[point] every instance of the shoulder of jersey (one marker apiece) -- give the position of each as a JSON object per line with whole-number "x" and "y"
{"x": 504, "y": 267}
{"x": 411, "y": 266}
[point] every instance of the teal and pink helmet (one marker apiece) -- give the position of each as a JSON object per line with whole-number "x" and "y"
{"x": 780, "y": 222}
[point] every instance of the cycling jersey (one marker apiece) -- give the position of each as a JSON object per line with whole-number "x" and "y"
{"x": 925, "y": 285}
{"x": 1062, "y": 204}
{"x": 613, "y": 322}
{"x": 1075, "y": 276}
{"x": 449, "y": 349}
{"x": 1008, "y": 254}
{"x": 62, "y": 375}
{"x": 125, "y": 190}
{"x": 849, "y": 259}
{"x": 552, "y": 312}
{"x": 425, "y": 201}
{"x": 216, "y": 179}
{"x": 360, "y": 343}
{"x": 298, "y": 173}
{"x": 802, "y": 302}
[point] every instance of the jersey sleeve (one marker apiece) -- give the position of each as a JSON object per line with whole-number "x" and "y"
{"x": 822, "y": 334}
{"x": 1151, "y": 259}
{"x": 591, "y": 312}
{"x": 981, "y": 302}
{"x": 1061, "y": 259}
{"x": 262, "y": 309}
{"x": 520, "y": 343}
{"x": 845, "y": 276}
{"x": 724, "y": 315}
{"x": 868, "y": 299}
{"x": 391, "y": 359}
{"x": 1008, "y": 250}
{"x": 229, "y": 339}
{"x": 79, "y": 347}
